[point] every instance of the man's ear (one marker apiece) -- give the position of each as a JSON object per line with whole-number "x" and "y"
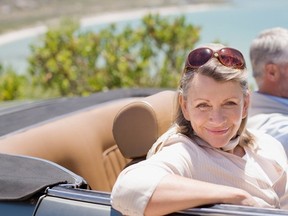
{"x": 272, "y": 72}
{"x": 183, "y": 105}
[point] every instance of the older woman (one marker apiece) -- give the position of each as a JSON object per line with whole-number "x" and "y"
{"x": 208, "y": 156}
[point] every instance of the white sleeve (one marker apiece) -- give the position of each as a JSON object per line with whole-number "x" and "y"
{"x": 136, "y": 184}
{"x": 134, "y": 187}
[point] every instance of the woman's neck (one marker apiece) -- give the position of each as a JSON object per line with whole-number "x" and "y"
{"x": 238, "y": 151}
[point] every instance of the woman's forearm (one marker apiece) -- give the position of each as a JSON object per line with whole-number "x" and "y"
{"x": 176, "y": 193}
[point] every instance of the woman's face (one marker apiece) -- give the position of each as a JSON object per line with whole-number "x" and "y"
{"x": 215, "y": 109}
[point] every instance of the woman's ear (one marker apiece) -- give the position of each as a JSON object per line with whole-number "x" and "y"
{"x": 183, "y": 105}
{"x": 246, "y": 105}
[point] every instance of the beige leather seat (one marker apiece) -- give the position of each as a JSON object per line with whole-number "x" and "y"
{"x": 138, "y": 125}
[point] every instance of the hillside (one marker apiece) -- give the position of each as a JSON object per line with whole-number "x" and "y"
{"x": 16, "y": 14}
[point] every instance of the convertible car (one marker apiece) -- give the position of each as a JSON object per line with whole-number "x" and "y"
{"x": 62, "y": 156}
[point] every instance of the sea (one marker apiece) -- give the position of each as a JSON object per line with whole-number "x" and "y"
{"x": 234, "y": 24}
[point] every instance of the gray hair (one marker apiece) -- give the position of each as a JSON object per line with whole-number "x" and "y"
{"x": 214, "y": 69}
{"x": 271, "y": 46}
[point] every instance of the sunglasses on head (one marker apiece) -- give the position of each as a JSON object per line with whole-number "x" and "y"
{"x": 228, "y": 57}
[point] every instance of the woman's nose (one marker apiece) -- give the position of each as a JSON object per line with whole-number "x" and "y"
{"x": 217, "y": 116}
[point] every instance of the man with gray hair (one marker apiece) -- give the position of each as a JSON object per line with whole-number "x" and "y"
{"x": 269, "y": 104}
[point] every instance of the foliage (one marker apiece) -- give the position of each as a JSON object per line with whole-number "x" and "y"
{"x": 10, "y": 84}
{"x": 67, "y": 61}
{"x": 78, "y": 63}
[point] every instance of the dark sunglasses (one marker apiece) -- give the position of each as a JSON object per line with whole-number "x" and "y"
{"x": 228, "y": 57}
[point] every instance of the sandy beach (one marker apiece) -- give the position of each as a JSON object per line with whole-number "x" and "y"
{"x": 108, "y": 18}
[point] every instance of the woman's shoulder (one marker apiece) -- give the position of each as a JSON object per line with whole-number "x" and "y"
{"x": 169, "y": 138}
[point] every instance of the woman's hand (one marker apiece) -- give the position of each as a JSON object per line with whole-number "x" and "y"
{"x": 237, "y": 197}
{"x": 176, "y": 193}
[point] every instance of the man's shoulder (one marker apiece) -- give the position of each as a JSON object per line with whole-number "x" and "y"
{"x": 269, "y": 145}
{"x": 276, "y": 125}
{"x": 273, "y": 123}
{"x": 267, "y": 104}
{"x": 268, "y": 119}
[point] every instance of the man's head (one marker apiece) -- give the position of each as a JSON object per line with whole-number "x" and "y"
{"x": 269, "y": 59}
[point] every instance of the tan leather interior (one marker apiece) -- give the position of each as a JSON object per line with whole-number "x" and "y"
{"x": 138, "y": 125}
{"x": 83, "y": 141}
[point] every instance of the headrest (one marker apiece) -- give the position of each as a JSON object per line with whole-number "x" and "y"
{"x": 139, "y": 124}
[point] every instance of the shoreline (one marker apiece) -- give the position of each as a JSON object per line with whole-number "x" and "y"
{"x": 108, "y": 18}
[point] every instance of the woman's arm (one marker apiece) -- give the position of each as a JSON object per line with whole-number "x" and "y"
{"x": 176, "y": 193}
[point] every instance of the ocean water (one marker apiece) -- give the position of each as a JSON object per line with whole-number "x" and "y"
{"x": 234, "y": 24}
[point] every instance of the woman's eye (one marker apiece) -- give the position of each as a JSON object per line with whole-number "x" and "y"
{"x": 230, "y": 103}
{"x": 203, "y": 106}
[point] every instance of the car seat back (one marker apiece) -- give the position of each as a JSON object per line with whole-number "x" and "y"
{"x": 139, "y": 124}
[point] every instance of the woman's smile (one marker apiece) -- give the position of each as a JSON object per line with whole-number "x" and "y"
{"x": 217, "y": 131}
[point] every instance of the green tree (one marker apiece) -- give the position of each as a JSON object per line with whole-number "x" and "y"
{"x": 10, "y": 84}
{"x": 167, "y": 41}
{"x": 151, "y": 54}
{"x": 65, "y": 61}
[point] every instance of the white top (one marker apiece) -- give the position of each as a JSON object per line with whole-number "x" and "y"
{"x": 264, "y": 167}
{"x": 270, "y": 115}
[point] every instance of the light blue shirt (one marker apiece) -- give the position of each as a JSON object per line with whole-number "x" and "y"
{"x": 270, "y": 114}
{"x": 280, "y": 100}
